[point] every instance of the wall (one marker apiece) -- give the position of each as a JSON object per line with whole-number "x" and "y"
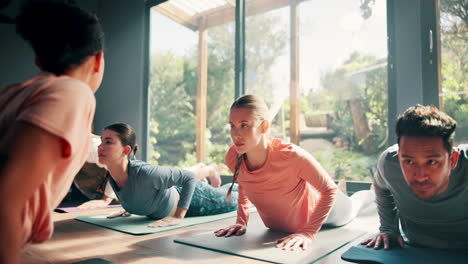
{"x": 16, "y": 57}
{"x": 121, "y": 97}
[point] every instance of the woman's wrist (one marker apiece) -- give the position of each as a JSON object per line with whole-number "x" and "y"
{"x": 107, "y": 199}
{"x": 180, "y": 213}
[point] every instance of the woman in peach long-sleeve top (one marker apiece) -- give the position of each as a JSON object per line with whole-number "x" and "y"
{"x": 289, "y": 188}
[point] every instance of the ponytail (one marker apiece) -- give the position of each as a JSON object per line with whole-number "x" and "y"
{"x": 234, "y": 177}
{"x": 133, "y": 152}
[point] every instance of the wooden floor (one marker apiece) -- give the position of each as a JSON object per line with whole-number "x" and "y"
{"x": 76, "y": 241}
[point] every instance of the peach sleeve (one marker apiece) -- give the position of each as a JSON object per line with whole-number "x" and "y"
{"x": 243, "y": 203}
{"x": 65, "y": 109}
{"x": 231, "y": 158}
{"x": 312, "y": 172}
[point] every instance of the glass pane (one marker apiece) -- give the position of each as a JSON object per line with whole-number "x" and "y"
{"x": 221, "y": 74}
{"x": 173, "y": 89}
{"x": 267, "y": 65}
{"x": 343, "y": 78}
{"x": 454, "y": 56}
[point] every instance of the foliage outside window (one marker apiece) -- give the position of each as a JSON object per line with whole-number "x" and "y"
{"x": 344, "y": 108}
{"x": 173, "y": 84}
{"x": 267, "y": 65}
{"x": 454, "y": 56}
{"x": 348, "y": 96}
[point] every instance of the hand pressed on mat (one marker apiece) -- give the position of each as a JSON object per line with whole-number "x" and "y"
{"x": 236, "y": 229}
{"x": 119, "y": 213}
{"x": 385, "y": 239}
{"x": 293, "y": 242}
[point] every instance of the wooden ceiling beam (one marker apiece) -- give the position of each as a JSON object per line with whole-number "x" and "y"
{"x": 252, "y": 8}
{"x": 231, "y": 2}
{"x": 220, "y": 15}
{"x": 177, "y": 14}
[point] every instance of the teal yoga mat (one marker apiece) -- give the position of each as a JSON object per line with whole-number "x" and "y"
{"x": 259, "y": 243}
{"x": 138, "y": 225}
{"x": 409, "y": 254}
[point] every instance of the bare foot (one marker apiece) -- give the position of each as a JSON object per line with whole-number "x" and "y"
{"x": 204, "y": 180}
{"x": 214, "y": 176}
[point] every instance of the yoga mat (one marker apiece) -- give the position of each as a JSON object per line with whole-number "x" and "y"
{"x": 259, "y": 243}
{"x": 409, "y": 254}
{"x": 76, "y": 209}
{"x": 94, "y": 261}
{"x": 138, "y": 225}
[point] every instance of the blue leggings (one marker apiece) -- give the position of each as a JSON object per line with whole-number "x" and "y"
{"x": 207, "y": 200}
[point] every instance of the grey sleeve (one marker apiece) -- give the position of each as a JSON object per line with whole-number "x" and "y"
{"x": 168, "y": 177}
{"x": 385, "y": 203}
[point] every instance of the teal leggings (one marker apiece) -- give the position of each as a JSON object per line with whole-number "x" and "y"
{"x": 207, "y": 200}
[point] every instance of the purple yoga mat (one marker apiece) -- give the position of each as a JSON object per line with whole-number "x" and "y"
{"x": 76, "y": 209}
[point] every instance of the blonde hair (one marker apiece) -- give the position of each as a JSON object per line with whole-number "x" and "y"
{"x": 253, "y": 102}
{"x": 260, "y": 110}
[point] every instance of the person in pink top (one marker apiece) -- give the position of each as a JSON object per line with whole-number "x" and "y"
{"x": 289, "y": 188}
{"x": 45, "y": 122}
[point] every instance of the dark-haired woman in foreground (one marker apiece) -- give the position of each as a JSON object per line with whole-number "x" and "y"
{"x": 45, "y": 122}
{"x": 162, "y": 193}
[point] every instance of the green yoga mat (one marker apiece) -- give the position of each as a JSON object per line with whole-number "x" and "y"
{"x": 409, "y": 254}
{"x": 259, "y": 243}
{"x": 138, "y": 225}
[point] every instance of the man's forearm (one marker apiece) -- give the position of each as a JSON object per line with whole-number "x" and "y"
{"x": 387, "y": 211}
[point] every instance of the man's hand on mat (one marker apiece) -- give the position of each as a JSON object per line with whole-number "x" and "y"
{"x": 384, "y": 238}
{"x": 95, "y": 204}
{"x": 119, "y": 213}
{"x": 167, "y": 221}
{"x": 236, "y": 229}
{"x": 293, "y": 242}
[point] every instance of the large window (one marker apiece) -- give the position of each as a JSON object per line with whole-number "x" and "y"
{"x": 267, "y": 65}
{"x": 191, "y": 81}
{"x": 321, "y": 66}
{"x": 340, "y": 48}
{"x": 454, "y": 57}
{"x": 343, "y": 80}
{"x": 173, "y": 89}
{"x": 326, "y": 59}
{"x": 220, "y": 91}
